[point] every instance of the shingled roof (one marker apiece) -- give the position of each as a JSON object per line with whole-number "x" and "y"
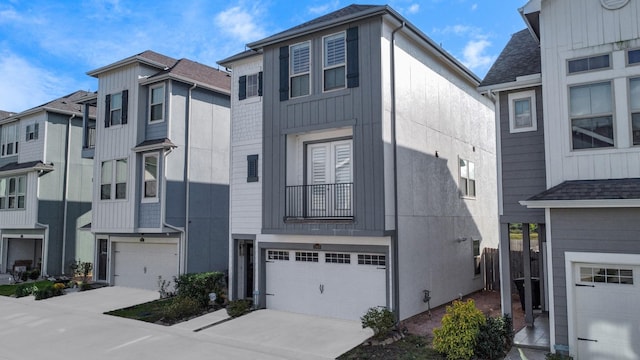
{"x": 520, "y": 57}
{"x": 609, "y": 189}
{"x": 6, "y": 114}
{"x": 191, "y": 70}
{"x": 68, "y": 104}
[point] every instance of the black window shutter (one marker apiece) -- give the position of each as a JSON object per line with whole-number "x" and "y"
{"x": 125, "y": 105}
{"x": 242, "y": 87}
{"x": 284, "y": 73}
{"x": 26, "y": 135}
{"x": 260, "y": 83}
{"x": 252, "y": 168}
{"x": 107, "y": 111}
{"x": 353, "y": 77}
{"x": 35, "y": 130}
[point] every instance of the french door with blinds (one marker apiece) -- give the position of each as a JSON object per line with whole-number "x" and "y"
{"x": 329, "y": 184}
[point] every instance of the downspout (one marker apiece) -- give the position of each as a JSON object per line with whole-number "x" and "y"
{"x": 188, "y": 175}
{"x": 65, "y": 191}
{"x": 394, "y": 239}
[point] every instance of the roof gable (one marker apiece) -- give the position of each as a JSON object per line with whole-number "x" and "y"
{"x": 520, "y": 57}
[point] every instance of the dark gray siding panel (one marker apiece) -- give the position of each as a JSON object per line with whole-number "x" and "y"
{"x": 360, "y": 106}
{"x": 587, "y": 230}
{"x": 523, "y": 164}
{"x": 149, "y": 215}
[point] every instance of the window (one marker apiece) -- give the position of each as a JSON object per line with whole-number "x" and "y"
{"x": 329, "y": 165}
{"x": 367, "y": 259}
{"x": 250, "y": 86}
{"x": 9, "y": 139}
{"x": 476, "y": 257}
{"x": 31, "y": 132}
{"x": 609, "y": 275}
{"x": 278, "y": 255}
{"x": 337, "y": 258}
{"x": 522, "y": 112}
{"x": 108, "y": 178}
{"x": 150, "y": 184}
{"x": 306, "y": 256}
{"x": 588, "y": 64}
{"x": 299, "y": 69}
{"x": 156, "y": 103}
{"x": 12, "y": 192}
{"x": 252, "y": 168}
{"x": 90, "y": 135}
{"x": 634, "y": 104}
{"x": 335, "y": 54}
{"x": 591, "y": 113}
{"x": 633, "y": 57}
{"x": 116, "y": 108}
{"x": 467, "y": 178}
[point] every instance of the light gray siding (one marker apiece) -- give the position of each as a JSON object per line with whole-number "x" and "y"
{"x": 359, "y": 107}
{"x": 523, "y": 164}
{"x": 587, "y": 230}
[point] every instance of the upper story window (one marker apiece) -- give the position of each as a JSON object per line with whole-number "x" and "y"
{"x": 110, "y": 179}
{"x": 116, "y": 108}
{"x": 252, "y": 168}
{"x": 90, "y": 135}
{"x": 634, "y": 104}
{"x": 591, "y": 113}
{"x": 9, "y": 139}
{"x": 150, "y": 183}
{"x": 12, "y": 192}
{"x": 522, "y": 111}
{"x": 156, "y": 103}
{"x": 31, "y": 132}
{"x": 250, "y": 86}
{"x": 633, "y": 57}
{"x": 334, "y": 62}
{"x": 467, "y": 178}
{"x": 588, "y": 64}
{"x": 300, "y": 64}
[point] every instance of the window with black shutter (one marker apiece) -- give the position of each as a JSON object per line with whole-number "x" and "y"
{"x": 252, "y": 168}
{"x": 116, "y": 108}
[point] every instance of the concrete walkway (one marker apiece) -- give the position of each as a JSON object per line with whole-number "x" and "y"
{"x": 517, "y": 353}
{"x": 73, "y": 327}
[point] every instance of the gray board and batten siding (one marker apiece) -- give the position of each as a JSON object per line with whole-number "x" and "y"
{"x": 359, "y": 107}
{"x": 523, "y": 164}
{"x": 610, "y": 230}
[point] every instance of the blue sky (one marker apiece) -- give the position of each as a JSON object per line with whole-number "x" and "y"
{"x": 46, "y": 47}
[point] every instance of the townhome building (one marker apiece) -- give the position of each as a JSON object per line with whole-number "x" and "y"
{"x": 363, "y": 169}
{"x": 161, "y": 169}
{"x": 587, "y": 89}
{"x": 45, "y": 188}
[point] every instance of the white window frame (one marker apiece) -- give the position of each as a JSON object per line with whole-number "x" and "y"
{"x": 466, "y": 180}
{"x": 592, "y": 115}
{"x": 523, "y": 95}
{"x": 152, "y": 104}
{"x": 251, "y": 86}
{"x": 6, "y": 140}
{"x": 633, "y": 110}
{"x": 6, "y": 195}
{"x": 307, "y": 73}
{"x": 30, "y": 132}
{"x": 326, "y": 67}
{"x": 627, "y": 57}
{"x": 610, "y": 58}
{"x": 113, "y": 109}
{"x": 153, "y": 198}
{"x": 112, "y": 179}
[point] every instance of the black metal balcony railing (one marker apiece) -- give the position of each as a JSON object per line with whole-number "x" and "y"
{"x": 320, "y": 201}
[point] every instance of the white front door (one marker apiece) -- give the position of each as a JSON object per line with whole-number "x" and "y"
{"x": 139, "y": 264}
{"x": 607, "y": 317}
{"x": 332, "y": 284}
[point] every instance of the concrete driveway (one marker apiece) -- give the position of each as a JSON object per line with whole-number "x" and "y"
{"x": 73, "y": 327}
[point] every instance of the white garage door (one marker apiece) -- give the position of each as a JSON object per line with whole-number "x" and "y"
{"x": 606, "y": 310}
{"x": 138, "y": 265}
{"x": 331, "y": 284}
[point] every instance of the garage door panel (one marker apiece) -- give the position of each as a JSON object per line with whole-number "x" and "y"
{"x": 140, "y": 264}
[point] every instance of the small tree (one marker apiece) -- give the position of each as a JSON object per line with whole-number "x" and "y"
{"x": 460, "y": 327}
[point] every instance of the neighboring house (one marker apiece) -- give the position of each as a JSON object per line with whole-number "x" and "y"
{"x": 590, "y": 78}
{"x": 5, "y": 114}
{"x": 161, "y": 174}
{"x": 337, "y": 123}
{"x": 45, "y": 188}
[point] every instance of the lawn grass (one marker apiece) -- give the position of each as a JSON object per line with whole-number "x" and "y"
{"x": 9, "y": 290}
{"x": 413, "y": 347}
{"x": 151, "y": 311}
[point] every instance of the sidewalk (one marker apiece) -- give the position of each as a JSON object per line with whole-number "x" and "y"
{"x": 517, "y": 353}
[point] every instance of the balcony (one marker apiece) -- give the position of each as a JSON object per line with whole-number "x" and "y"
{"x": 319, "y": 201}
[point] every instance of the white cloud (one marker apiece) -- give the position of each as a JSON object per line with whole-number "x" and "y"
{"x": 414, "y": 8}
{"x": 240, "y": 24}
{"x": 474, "y": 54}
{"x": 324, "y": 8}
{"x": 474, "y": 7}
{"x": 457, "y": 29}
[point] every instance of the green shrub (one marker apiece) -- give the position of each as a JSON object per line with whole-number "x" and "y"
{"x": 25, "y": 290}
{"x": 460, "y": 327}
{"x": 198, "y": 286}
{"x": 494, "y": 338}
{"x": 181, "y": 307}
{"x": 237, "y": 308}
{"x": 380, "y": 320}
{"x": 49, "y": 291}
